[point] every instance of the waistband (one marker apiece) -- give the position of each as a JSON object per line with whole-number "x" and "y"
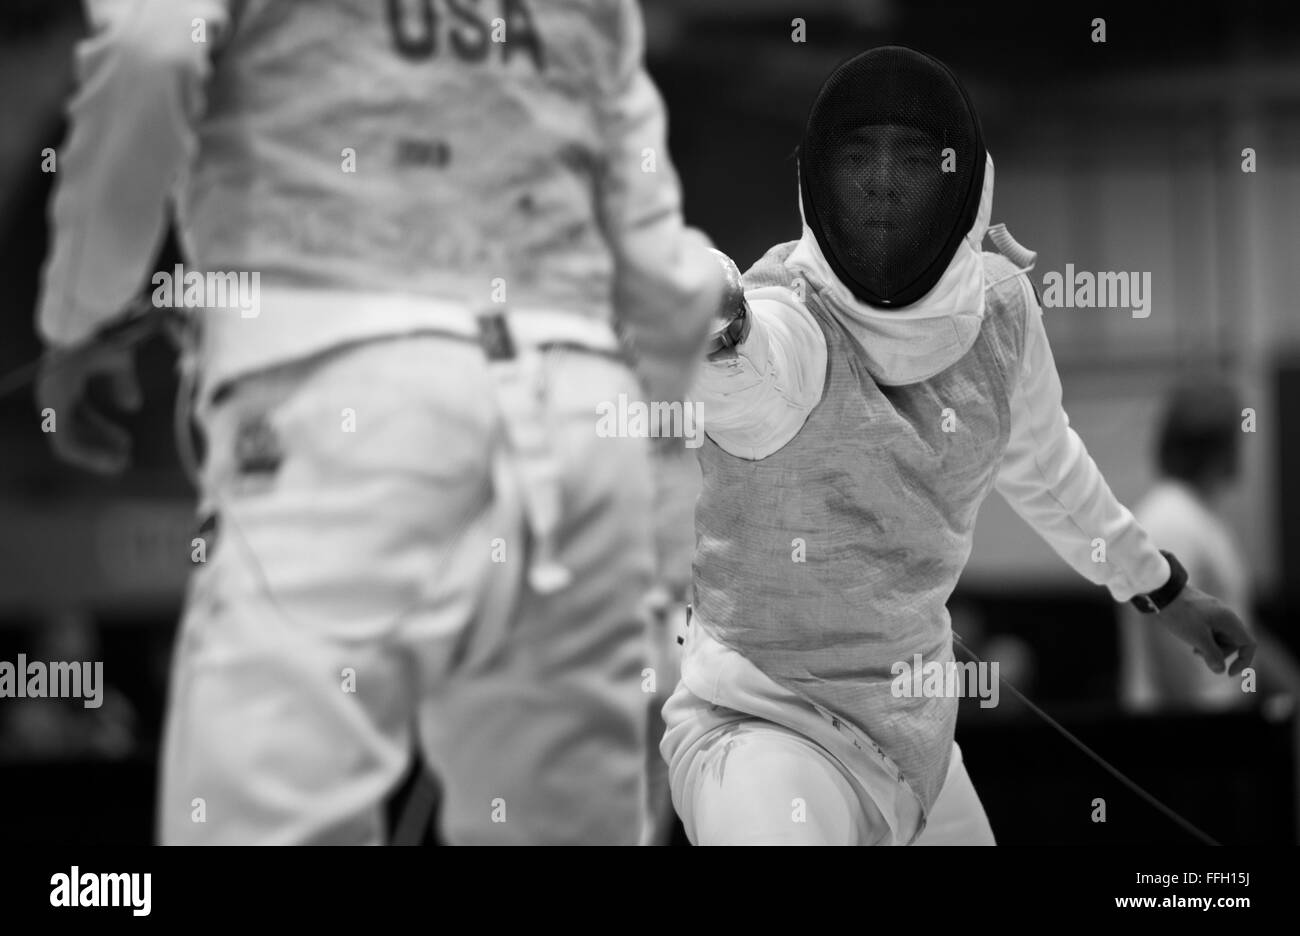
{"x": 225, "y": 344}
{"x": 289, "y": 324}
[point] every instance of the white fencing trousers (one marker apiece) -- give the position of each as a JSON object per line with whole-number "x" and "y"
{"x": 365, "y": 529}
{"x": 748, "y": 781}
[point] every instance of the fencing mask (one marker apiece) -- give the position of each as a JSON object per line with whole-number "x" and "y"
{"x": 891, "y": 173}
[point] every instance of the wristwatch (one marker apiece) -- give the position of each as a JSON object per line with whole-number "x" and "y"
{"x": 1154, "y": 602}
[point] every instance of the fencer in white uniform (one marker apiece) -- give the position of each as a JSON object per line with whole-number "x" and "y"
{"x": 414, "y": 534}
{"x": 892, "y": 374}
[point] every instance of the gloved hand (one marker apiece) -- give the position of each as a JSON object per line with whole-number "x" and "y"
{"x": 730, "y": 323}
{"x": 83, "y": 434}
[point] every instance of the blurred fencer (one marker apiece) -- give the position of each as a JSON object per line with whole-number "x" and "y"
{"x": 414, "y": 530}
{"x": 880, "y": 377}
{"x": 1197, "y": 454}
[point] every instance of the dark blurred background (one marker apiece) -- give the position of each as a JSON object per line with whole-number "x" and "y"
{"x": 1117, "y": 156}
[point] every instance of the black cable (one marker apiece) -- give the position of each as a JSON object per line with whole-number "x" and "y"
{"x": 1114, "y": 772}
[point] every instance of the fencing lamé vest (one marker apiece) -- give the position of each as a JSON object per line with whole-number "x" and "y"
{"x": 832, "y": 559}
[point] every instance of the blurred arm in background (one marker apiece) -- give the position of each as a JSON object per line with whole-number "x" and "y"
{"x": 667, "y": 284}
{"x": 141, "y": 78}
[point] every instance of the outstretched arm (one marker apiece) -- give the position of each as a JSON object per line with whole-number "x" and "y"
{"x": 757, "y": 395}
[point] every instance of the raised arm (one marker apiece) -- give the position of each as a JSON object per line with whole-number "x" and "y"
{"x": 141, "y": 79}
{"x": 667, "y": 284}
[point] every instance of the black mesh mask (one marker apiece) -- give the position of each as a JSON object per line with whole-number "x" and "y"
{"x": 886, "y": 215}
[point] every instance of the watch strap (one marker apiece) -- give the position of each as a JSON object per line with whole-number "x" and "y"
{"x": 1158, "y": 600}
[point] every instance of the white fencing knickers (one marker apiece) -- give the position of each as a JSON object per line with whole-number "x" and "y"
{"x": 367, "y": 582}
{"x": 751, "y": 763}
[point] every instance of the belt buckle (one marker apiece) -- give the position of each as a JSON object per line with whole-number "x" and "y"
{"x": 494, "y": 336}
